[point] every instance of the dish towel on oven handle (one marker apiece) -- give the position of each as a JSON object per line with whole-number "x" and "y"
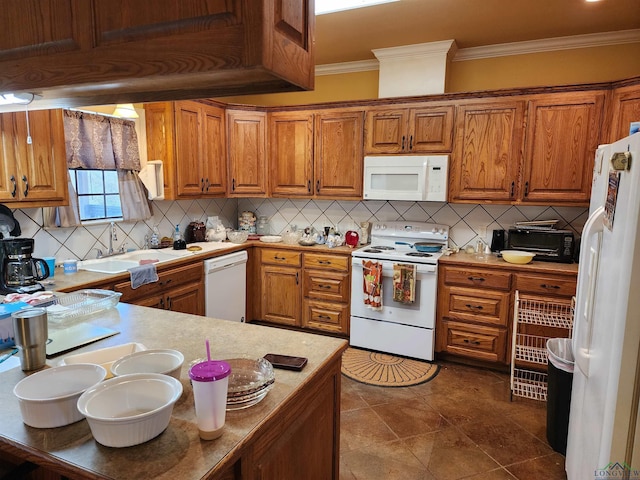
{"x": 404, "y": 283}
{"x": 372, "y": 284}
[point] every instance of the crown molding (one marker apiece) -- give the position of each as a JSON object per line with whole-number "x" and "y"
{"x": 347, "y": 67}
{"x": 548, "y": 45}
{"x": 503, "y": 49}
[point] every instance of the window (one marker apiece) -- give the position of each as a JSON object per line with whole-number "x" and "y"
{"x": 98, "y": 194}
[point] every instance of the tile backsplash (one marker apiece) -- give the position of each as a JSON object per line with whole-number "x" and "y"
{"x": 468, "y": 222}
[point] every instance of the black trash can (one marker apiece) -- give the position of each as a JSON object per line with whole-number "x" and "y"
{"x": 559, "y": 382}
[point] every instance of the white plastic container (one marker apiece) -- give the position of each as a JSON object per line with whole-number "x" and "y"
{"x": 210, "y": 381}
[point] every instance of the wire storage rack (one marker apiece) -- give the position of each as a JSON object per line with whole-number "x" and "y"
{"x": 529, "y": 351}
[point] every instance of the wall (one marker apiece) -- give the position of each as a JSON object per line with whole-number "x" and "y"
{"x": 467, "y": 222}
{"x": 564, "y": 67}
{"x": 80, "y": 242}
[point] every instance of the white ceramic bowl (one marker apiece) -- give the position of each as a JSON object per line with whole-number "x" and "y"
{"x": 517, "y": 256}
{"x": 104, "y": 356}
{"x": 131, "y": 409}
{"x": 165, "y": 361}
{"x": 48, "y": 398}
{"x": 237, "y": 236}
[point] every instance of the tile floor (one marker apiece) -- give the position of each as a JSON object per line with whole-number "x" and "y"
{"x": 460, "y": 425}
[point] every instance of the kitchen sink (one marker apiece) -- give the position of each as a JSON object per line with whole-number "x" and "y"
{"x": 121, "y": 263}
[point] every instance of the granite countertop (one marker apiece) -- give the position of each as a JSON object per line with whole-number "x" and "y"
{"x": 178, "y": 452}
{"x": 492, "y": 260}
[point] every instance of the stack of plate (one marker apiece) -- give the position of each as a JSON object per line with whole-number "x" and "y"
{"x": 249, "y": 382}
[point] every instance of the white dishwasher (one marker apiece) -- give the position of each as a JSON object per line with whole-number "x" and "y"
{"x": 225, "y": 286}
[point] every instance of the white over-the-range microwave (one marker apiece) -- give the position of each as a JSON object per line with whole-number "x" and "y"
{"x": 406, "y": 177}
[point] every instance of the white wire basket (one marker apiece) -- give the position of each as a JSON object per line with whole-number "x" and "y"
{"x": 536, "y": 312}
{"x": 531, "y": 348}
{"x": 81, "y": 303}
{"x": 529, "y": 384}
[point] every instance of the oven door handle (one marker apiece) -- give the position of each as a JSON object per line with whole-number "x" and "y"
{"x": 387, "y": 267}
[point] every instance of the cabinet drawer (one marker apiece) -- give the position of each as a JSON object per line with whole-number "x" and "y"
{"x": 477, "y": 306}
{"x": 281, "y": 257}
{"x": 546, "y": 285}
{"x": 326, "y": 316}
{"x": 166, "y": 280}
{"x": 329, "y": 262}
{"x": 332, "y": 286}
{"x": 475, "y": 341}
{"x": 477, "y": 278}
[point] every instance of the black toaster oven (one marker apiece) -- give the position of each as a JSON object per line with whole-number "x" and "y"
{"x": 548, "y": 245}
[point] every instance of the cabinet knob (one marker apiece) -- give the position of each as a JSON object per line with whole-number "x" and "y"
{"x": 309, "y": 186}
{"x": 324, "y": 262}
{"x": 233, "y": 185}
{"x": 526, "y": 189}
{"x": 26, "y": 186}
{"x": 472, "y": 342}
{"x": 550, "y": 287}
{"x": 297, "y": 278}
{"x": 318, "y": 186}
{"x": 513, "y": 189}
{"x": 411, "y": 142}
{"x": 202, "y": 184}
{"x": 276, "y": 257}
{"x": 403, "y": 138}
{"x": 324, "y": 317}
{"x": 326, "y": 287}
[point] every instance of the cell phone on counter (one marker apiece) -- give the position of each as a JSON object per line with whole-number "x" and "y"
{"x": 286, "y": 362}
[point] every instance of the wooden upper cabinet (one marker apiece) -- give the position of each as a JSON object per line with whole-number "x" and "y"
{"x": 33, "y": 170}
{"x": 160, "y": 126}
{"x": 487, "y": 152}
{"x": 338, "y": 156}
{"x": 409, "y": 130}
{"x": 214, "y": 151}
{"x": 177, "y": 50}
{"x": 188, "y": 149}
{"x": 246, "y": 137}
{"x": 291, "y": 154}
{"x": 625, "y": 109}
{"x": 189, "y": 138}
{"x": 561, "y": 139}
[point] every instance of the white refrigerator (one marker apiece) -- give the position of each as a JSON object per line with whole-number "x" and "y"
{"x": 604, "y": 427}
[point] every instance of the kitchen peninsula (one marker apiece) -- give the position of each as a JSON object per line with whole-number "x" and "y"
{"x": 293, "y": 433}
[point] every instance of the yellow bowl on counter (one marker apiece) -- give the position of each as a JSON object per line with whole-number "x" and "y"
{"x": 517, "y": 256}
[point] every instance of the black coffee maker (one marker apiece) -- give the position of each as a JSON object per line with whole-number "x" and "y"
{"x": 19, "y": 271}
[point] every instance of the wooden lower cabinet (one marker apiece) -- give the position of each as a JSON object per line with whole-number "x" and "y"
{"x": 179, "y": 289}
{"x": 475, "y": 308}
{"x": 308, "y": 290}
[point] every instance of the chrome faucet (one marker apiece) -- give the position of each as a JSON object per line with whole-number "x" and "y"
{"x": 113, "y": 237}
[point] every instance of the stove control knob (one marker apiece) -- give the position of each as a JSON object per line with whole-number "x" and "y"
{"x": 441, "y": 231}
{"x": 434, "y": 230}
{"x": 383, "y": 226}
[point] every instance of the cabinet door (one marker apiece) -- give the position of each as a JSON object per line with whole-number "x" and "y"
{"x": 281, "y": 295}
{"x": 189, "y": 179}
{"x": 386, "y": 131}
{"x": 159, "y": 120}
{"x": 186, "y": 299}
{"x": 291, "y": 154}
{"x": 431, "y": 129}
{"x": 246, "y": 150}
{"x": 338, "y": 158}
{"x": 8, "y": 159}
{"x": 40, "y": 166}
{"x": 626, "y": 109}
{"x": 486, "y": 156}
{"x": 562, "y": 136}
{"x": 214, "y": 151}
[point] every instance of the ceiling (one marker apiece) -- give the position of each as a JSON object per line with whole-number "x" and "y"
{"x": 351, "y": 35}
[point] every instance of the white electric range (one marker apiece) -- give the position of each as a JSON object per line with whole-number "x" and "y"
{"x": 406, "y": 329}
